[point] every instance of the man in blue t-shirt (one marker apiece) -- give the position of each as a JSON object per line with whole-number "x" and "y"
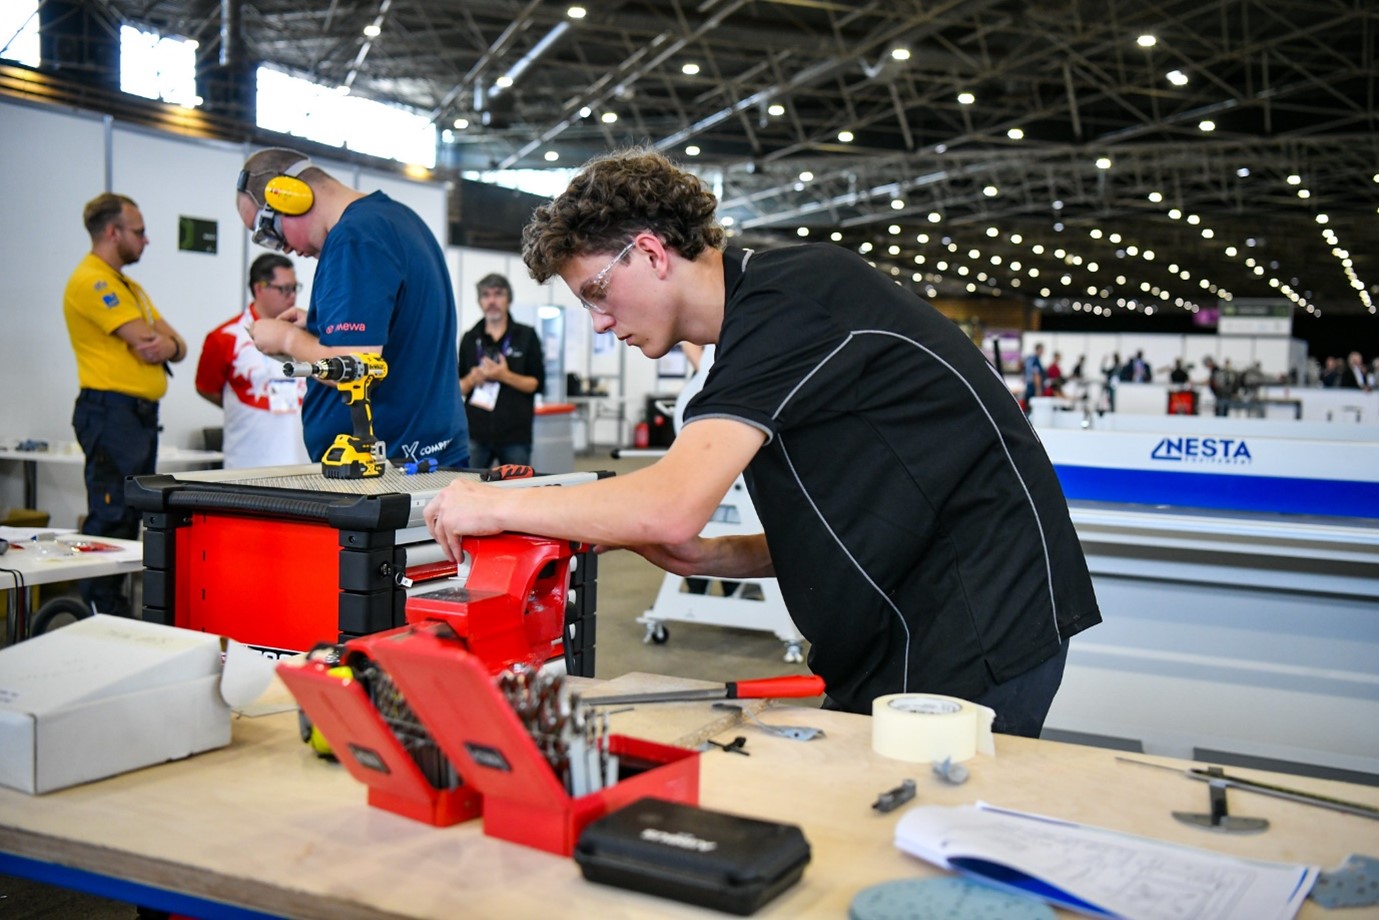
{"x": 381, "y": 287}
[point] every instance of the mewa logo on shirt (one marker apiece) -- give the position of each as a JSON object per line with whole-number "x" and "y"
{"x": 346, "y": 327}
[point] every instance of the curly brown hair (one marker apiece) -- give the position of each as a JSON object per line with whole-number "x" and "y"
{"x": 613, "y": 198}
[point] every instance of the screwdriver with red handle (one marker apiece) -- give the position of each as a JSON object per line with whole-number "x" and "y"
{"x": 794, "y": 685}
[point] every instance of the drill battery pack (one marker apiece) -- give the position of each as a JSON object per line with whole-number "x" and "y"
{"x": 685, "y": 853}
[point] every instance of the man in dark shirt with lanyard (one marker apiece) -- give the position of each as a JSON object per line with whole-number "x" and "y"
{"x": 914, "y": 521}
{"x": 501, "y": 371}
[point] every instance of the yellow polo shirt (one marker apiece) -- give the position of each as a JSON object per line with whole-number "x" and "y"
{"x": 99, "y": 300}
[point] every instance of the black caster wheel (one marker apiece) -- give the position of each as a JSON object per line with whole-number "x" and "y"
{"x": 57, "y": 613}
{"x": 658, "y": 634}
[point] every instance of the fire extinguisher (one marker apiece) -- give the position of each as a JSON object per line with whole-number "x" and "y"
{"x": 641, "y": 436}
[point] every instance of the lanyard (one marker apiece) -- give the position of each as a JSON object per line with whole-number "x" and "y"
{"x": 144, "y": 306}
{"x": 504, "y": 347}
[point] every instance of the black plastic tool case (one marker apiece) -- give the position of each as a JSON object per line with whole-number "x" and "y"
{"x": 708, "y": 858}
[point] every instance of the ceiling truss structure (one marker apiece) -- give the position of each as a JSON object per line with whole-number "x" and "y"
{"x": 1241, "y": 148}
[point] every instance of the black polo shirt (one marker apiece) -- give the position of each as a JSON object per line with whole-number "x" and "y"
{"x": 510, "y": 420}
{"x": 918, "y": 531}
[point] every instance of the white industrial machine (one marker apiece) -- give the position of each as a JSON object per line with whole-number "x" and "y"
{"x": 754, "y": 604}
{"x": 1236, "y": 563}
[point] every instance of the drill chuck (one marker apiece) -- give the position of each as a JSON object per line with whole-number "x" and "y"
{"x": 340, "y": 368}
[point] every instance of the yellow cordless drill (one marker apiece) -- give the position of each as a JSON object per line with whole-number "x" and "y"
{"x": 358, "y": 455}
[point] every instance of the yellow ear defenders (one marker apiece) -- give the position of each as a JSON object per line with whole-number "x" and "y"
{"x": 285, "y": 194}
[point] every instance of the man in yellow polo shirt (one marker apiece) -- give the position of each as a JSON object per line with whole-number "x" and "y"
{"x": 123, "y": 347}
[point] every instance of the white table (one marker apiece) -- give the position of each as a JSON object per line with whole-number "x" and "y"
{"x": 24, "y": 568}
{"x": 69, "y": 453}
{"x": 590, "y": 410}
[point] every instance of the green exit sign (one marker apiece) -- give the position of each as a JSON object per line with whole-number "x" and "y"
{"x": 196, "y": 234}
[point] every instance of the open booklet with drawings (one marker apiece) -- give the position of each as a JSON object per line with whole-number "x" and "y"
{"x": 1098, "y": 871}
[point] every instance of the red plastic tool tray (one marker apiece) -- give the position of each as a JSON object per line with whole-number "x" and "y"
{"x": 455, "y": 698}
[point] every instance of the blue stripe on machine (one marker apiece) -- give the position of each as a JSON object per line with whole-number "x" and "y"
{"x": 1339, "y": 498}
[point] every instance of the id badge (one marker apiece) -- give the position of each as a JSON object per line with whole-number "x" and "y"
{"x": 284, "y": 396}
{"x": 485, "y": 395}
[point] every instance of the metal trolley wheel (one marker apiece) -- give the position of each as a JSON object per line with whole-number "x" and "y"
{"x": 57, "y": 613}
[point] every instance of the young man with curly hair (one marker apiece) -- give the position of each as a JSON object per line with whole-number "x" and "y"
{"x": 913, "y": 520}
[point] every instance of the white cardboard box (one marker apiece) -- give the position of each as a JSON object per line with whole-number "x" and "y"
{"x": 105, "y": 695}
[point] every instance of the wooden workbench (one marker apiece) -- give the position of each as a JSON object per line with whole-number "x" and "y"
{"x": 264, "y": 824}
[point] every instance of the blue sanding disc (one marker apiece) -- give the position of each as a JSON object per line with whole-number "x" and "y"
{"x": 943, "y": 899}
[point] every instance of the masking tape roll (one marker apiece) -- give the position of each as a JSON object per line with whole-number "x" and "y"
{"x": 924, "y": 728}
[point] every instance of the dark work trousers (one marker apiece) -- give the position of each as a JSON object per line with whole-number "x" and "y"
{"x": 119, "y": 435}
{"x": 482, "y": 456}
{"x": 1021, "y": 703}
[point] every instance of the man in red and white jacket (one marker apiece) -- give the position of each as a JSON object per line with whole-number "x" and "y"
{"x": 263, "y": 406}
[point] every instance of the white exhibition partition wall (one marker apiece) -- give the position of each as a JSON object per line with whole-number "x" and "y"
{"x": 171, "y": 178}
{"x": 54, "y": 164}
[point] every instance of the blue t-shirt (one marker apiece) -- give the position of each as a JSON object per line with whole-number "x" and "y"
{"x": 382, "y": 279}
